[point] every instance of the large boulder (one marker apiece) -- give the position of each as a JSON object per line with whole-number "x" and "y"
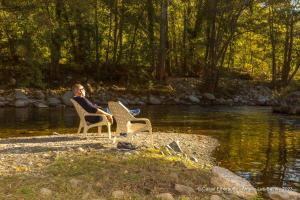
{"x": 262, "y": 100}
{"x": 20, "y": 103}
{"x": 39, "y": 95}
{"x": 276, "y": 193}
{"x": 40, "y": 104}
{"x": 209, "y": 96}
{"x": 53, "y": 101}
{"x": 153, "y": 100}
{"x": 194, "y": 99}
{"x": 232, "y": 183}
{"x": 20, "y": 94}
{"x": 66, "y": 98}
{"x": 3, "y": 103}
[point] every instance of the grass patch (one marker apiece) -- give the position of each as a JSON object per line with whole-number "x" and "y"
{"x": 94, "y": 174}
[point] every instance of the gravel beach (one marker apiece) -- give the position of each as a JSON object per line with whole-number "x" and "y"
{"x": 32, "y": 154}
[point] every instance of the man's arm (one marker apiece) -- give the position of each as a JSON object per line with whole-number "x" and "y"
{"x": 108, "y": 116}
{"x": 99, "y": 111}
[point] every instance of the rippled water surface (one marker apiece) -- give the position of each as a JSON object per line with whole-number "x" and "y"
{"x": 256, "y": 144}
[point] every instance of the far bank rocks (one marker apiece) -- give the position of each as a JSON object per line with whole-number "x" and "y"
{"x": 289, "y": 104}
{"x": 179, "y": 91}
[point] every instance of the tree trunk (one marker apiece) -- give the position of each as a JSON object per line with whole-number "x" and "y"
{"x": 150, "y": 13}
{"x": 163, "y": 39}
{"x": 115, "y": 39}
{"x": 97, "y": 34}
{"x": 109, "y": 37}
{"x": 273, "y": 44}
{"x": 121, "y": 24}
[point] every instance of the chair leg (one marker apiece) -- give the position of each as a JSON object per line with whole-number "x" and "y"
{"x": 109, "y": 131}
{"x": 79, "y": 129}
{"x": 150, "y": 132}
{"x": 85, "y": 129}
{"x": 99, "y": 130}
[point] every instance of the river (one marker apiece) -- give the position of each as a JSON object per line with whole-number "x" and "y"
{"x": 255, "y": 143}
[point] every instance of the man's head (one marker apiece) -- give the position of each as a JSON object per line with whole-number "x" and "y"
{"x": 78, "y": 90}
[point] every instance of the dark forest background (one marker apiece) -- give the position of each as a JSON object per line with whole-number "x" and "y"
{"x": 48, "y": 42}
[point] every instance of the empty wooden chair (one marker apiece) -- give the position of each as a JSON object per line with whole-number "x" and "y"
{"x": 86, "y": 125}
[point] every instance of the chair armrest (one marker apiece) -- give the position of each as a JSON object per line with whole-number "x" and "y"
{"x": 142, "y": 119}
{"x": 95, "y": 114}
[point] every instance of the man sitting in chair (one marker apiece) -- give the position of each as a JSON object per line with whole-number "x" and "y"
{"x": 79, "y": 97}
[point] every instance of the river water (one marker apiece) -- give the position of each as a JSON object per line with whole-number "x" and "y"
{"x": 255, "y": 143}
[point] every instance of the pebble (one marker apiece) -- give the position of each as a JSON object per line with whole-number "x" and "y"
{"x": 75, "y": 183}
{"x": 118, "y": 194}
{"x": 45, "y": 192}
{"x": 182, "y": 189}
{"x": 165, "y": 196}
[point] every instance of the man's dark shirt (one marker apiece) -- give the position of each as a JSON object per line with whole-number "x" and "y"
{"x": 88, "y": 107}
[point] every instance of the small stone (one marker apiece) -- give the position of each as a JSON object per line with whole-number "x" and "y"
{"x": 165, "y": 196}
{"x": 46, "y": 155}
{"x": 118, "y": 194}
{"x": 80, "y": 149}
{"x": 175, "y": 146}
{"x": 193, "y": 158}
{"x": 182, "y": 189}
{"x": 85, "y": 196}
{"x": 75, "y": 183}
{"x": 45, "y": 192}
{"x": 174, "y": 177}
{"x": 215, "y": 197}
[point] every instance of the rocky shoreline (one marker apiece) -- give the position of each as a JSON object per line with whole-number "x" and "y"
{"x": 175, "y": 92}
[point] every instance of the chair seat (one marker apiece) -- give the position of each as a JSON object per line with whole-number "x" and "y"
{"x": 135, "y": 127}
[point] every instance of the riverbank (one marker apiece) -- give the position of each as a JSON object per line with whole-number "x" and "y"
{"x": 55, "y": 166}
{"x": 177, "y": 91}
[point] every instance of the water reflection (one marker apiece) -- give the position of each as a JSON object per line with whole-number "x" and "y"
{"x": 258, "y": 145}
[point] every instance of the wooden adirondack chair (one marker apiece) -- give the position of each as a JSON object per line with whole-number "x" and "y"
{"x": 86, "y": 125}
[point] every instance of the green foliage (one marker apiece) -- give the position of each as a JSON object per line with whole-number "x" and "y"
{"x": 119, "y": 40}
